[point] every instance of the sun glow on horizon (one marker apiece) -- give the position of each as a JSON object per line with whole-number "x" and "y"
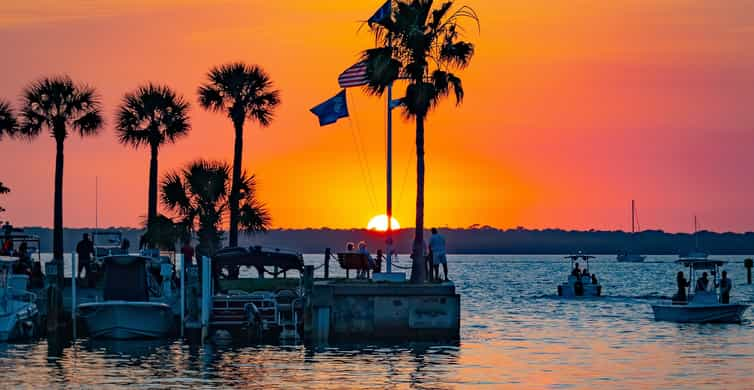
{"x": 379, "y": 223}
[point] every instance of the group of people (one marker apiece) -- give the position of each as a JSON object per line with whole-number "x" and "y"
{"x": 434, "y": 255}
{"x": 703, "y": 284}
{"x": 582, "y": 274}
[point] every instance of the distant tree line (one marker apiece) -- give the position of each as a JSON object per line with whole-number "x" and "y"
{"x": 485, "y": 240}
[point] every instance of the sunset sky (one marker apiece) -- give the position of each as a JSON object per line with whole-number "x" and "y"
{"x": 572, "y": 109}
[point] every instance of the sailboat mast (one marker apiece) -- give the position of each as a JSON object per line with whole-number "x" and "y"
{"x": 633, "y": 218}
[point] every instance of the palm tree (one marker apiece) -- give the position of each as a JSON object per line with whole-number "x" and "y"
{"x": 421, "y": 46}
{"x": 242, "y": 92}
{"x": 8, "y": 123}
{"x": 3, "y": 190}
{"x": 152, "y": 116}
{"x": 199, "y": 196}
{"x": 60, "y": 106}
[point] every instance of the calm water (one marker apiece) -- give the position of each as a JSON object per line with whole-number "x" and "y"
{"x": 515, "y": 333}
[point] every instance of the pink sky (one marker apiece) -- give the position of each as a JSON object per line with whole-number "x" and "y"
{"x": 573, "y": 109}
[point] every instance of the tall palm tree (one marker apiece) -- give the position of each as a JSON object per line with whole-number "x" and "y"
{"x": 199, "y": 196}
{"x": 421, "y": 46}
{"x": 8, "y": 122}
{"x": 60, "y": 106}
{"x": 152, "y": 116}
{"x": 241, "y": 92}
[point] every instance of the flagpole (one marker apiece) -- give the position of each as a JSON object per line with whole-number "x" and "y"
{"x": 389, "y": 240}
{"x": 389, "y": 203}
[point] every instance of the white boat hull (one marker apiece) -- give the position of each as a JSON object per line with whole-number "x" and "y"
{"x": 122, "y": 320}
{"x": 630, "y": 258}
{"x": 19, "y": 321}
{"x": 691, "y": 313}
{"x": 569, "y": 290}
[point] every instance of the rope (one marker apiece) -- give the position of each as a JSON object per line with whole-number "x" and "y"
{"x": 400, "y": 267}
{"x": 363, "y": 159}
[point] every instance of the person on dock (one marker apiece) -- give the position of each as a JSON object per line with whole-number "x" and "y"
{"x": 125, "y": 246}
{"x": 725, "y": 286}
{"x": 437, "y": 247}
{"x": 702, "y": 283}
{"x": 680, "y": 279}
{"x": 364, "y": 273}
{"x": 188, "y": 253}
{"x": 85, "y": 250}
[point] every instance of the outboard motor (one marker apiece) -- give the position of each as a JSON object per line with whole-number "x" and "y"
{"x": 578, "y": 288}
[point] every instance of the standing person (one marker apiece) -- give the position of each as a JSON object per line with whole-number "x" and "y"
{"x": 188, "y": 252}
{"x": 725, "y": 286}
{"x": 125, "y": 245}
{"x": 437, "y": 247}
{"x": 680, "y": 279}
{"x": 85, "y": 250}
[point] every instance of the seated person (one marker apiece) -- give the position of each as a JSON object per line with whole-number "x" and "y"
{"x": 364, "y": 251}
{"x": 349, "y": 247}
{"x": 594, "y": 279}
{"x": 702, "y": 283}
{"x": 576, "y": 270}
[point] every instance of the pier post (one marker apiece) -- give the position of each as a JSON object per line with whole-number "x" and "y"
{"x": 54, "y": 297}
{"x": 183, "y": 291}
{"x": 328, "y": 253}
{"x": 73, "y": 293}
{"x": 748, "y": 263}
{"x": 206, "y": 294}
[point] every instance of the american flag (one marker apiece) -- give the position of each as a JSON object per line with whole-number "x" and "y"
{"x": 354, "y": 76}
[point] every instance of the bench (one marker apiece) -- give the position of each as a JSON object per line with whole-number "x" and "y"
{"x": 349, "y": 261}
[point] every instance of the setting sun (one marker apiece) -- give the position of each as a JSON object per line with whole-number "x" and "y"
{"x": 379, "y": 223}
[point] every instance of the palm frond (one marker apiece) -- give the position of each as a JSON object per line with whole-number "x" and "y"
{"x": 152, "y": 115}
{"x": 8, "y": 122}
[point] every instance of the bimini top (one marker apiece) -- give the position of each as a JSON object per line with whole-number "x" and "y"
{"x": 126, "y": 278}
{"x": 259, "y": 257}
{"x": 700, "y": 262}
{"x": 578, "y": 257}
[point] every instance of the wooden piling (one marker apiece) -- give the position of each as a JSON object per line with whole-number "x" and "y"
{"x": 327, "y": 262}
{"x": 748, "y": 263}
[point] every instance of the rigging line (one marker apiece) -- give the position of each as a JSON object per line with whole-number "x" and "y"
{"x": 636, "y": 215}
{"x": 363, "y": 151}
{"x": 361, "y": 164}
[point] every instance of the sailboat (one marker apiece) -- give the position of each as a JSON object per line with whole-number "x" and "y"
{"x": 696, "y": 253}
{"x": 627, "y": 256}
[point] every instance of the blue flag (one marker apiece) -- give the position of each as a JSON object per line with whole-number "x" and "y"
{"x": 381, "y": 14}
{"x": 331, "y": 109}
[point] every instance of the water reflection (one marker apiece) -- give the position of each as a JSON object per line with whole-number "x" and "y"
{"x": 515, "y": 333}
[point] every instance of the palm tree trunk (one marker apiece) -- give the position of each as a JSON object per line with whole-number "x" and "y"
{"x": 418, "y": 274}
{"x": 235, "y": 186}
{"x": 57, "y": 232}
{"x": 152, "y": 205}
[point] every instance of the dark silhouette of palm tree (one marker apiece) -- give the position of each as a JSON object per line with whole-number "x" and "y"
{"x": 199, "y": 196}
{"x": 152, "y": 116}
{"x": 3, "y": 190}
{"x": 60, "y": 106}
{"x": 242, "y": 92}
{"x": 421, "y": 46}
{"x": 8, "y": 122}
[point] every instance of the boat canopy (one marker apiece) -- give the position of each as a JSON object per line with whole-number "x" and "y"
{"x": 700, "y": 263}
{"x": 126, "y": 278}
{"x": 579, "y": 257}
{"x": 259, "y": 257}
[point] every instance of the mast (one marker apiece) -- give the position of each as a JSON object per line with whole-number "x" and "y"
{"x": 389, "y": 174}
{"x": 96, "y": 203}
{"x": 633, "y": 218}
{"x": 696, "y": 237}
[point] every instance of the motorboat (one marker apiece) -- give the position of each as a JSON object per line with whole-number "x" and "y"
{"x": 627, "y": 256}
{"x": 128, "y": 310}
{"x": 19, "y": 315}
{"x": 256, "y": 308}
{"x": 702, "y": 306}
{"x": 578, "y": 284}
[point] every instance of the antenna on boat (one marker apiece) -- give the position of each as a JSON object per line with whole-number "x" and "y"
{"x": 633, "y": 218}
{"x": 96, "y": 203}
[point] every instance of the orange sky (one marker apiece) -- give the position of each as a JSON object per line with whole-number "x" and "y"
{"x": 572, "y": 109}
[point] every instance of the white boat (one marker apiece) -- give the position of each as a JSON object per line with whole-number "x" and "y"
{"x": 579, "y": 285}
{"x": 701, "y": 306}
{"x": 627, "y": 256}
{"x": 127, "y": 312}
{"x": 19, "y": 316}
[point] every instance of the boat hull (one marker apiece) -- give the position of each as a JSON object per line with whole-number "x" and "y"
{"x": 713, "y": 313}
{"x": 569, "y": 290}
{"x": 630, "y": 258}
{"x": 21, "y": 322}
{"x": 123, "y": 320}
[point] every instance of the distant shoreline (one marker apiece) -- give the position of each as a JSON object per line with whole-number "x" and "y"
{"x": 484, "y": 240}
